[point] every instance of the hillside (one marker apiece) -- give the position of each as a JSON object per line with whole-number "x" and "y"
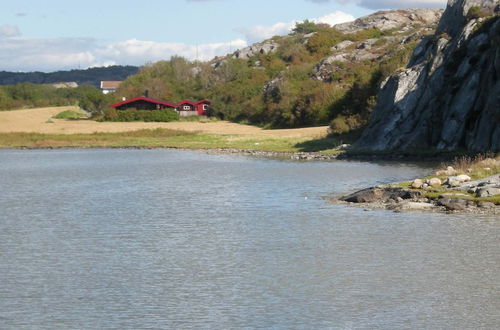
{"x": 316, "y": 75}
{"x": 92, "y": 76}
{"x": 448, "y": 98}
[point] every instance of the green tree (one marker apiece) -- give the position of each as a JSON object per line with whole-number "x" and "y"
{"x": 95, "y": 102}
{"x": 305, "y": 27}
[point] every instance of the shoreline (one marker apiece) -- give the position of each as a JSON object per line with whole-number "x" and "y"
{"x": 392, "y": 196}
{"x": 293, "y": 155}
{"x": 480, "y": 196}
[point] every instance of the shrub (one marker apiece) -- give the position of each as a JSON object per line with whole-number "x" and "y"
{"x": 165, "y": 115}
{"x": 110, "y": 115}
{"x": 323, "y": 40}
{"x": 70, "y": 115}
{"x": 475, "y": 12}
{"x": 305, "y": 27}
{"x": 339, "y": 125}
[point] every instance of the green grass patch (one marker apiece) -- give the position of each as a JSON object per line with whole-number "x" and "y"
{"x": 453, "y": 194}
{"x": 69, "y": 115}
{"x": 155, "y": 138}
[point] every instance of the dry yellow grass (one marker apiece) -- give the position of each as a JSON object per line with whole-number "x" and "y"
{"x": 35, "y": 120}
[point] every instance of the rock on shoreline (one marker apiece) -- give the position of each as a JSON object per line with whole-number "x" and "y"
{"x": 274, "y": 154}
{"x": 458, "y": 199}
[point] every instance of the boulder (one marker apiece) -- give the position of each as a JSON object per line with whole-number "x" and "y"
{"x": 342, "y": 45}
{"x": 368, "y": 195}
{"x": 488, "y": 192}
{"x": 456, "y": 181}
{"x": 412, "y": 206}
{"x": 492, "y": 181}
{"x": 380, "y": 194}
{"x": 434, "y": 182}
{"x": 417, "y": 184}
{"x": 463, "y": 178}
{"x": 367, "y": 44}
{"x": 453, "y": 204}
{"x": 452, "y": 182}
{"x": 486, "y": 205}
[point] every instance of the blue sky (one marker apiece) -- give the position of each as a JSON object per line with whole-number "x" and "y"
{"x": 54, "y": 34}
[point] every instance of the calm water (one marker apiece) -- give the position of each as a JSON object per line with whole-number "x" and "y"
{"x": 135, "y": 239}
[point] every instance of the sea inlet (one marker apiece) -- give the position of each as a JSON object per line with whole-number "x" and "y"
{"x": 166, "y": 239}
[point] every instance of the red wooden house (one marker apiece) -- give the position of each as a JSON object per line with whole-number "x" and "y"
{"x": 184, "y": 108}
{"x": 143, "y": 103}
{"x": 186, "y": 105}
{"x": 203, "y": 107}
{"x": 190, "y": 108}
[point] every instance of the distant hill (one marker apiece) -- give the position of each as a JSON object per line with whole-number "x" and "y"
{"x": 92, "y": 76}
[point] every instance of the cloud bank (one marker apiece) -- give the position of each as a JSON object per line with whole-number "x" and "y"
{"x": 18, "y": 53}
{"x": 25, "y": 54}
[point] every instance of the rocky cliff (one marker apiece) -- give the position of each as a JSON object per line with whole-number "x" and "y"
{"x": 448, "y": 97}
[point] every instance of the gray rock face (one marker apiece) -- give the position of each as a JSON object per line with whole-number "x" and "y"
{"x": 266, "y": 47}
{"x": 387, "y": 20}
{"x": 449, "y": 96}
{"x": 342, "y": 45}
{"x": 410, "y": 25}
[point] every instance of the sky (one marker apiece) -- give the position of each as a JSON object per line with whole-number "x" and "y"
{"x": 56, "y": 35}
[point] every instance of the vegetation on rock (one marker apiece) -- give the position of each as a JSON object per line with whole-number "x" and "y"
{"x": 69, "y": 115}
{"x": 285, "y": 86}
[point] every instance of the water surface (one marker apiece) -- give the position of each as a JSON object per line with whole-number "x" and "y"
{"x": 137, "y": 239}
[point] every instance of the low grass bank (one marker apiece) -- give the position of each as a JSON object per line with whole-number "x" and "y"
{"x": 476, "y": 167}
{"x": 157, "y": 138}
{"x": 70, "y": 115}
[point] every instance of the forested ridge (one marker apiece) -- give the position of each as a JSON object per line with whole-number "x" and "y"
{"x": 91, "y": 76}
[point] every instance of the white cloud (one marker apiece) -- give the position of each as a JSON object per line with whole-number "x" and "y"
{"x": 19, "y": 53}
{"x": 9, "y": 31}
{"x": 25, "y": 54}
{"x": 138, "y": 52}
{"x": 260, "y": 32}
{"x": 336, "y": 17}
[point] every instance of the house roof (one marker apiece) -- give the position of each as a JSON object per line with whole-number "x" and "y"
{"x": 204, "y": 101}
{"x": 143, "y": 98}
{"x": 187, "y": 102}
{"x": 110, "y": 84}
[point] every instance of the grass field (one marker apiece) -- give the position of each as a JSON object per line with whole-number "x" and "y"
{"x": 33, "y": 129}
{"x": 164, "y": 138}
{"x": 35, "y": 121}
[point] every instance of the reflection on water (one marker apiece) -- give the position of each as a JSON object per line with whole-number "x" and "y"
{"x": 175, "y": 239}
